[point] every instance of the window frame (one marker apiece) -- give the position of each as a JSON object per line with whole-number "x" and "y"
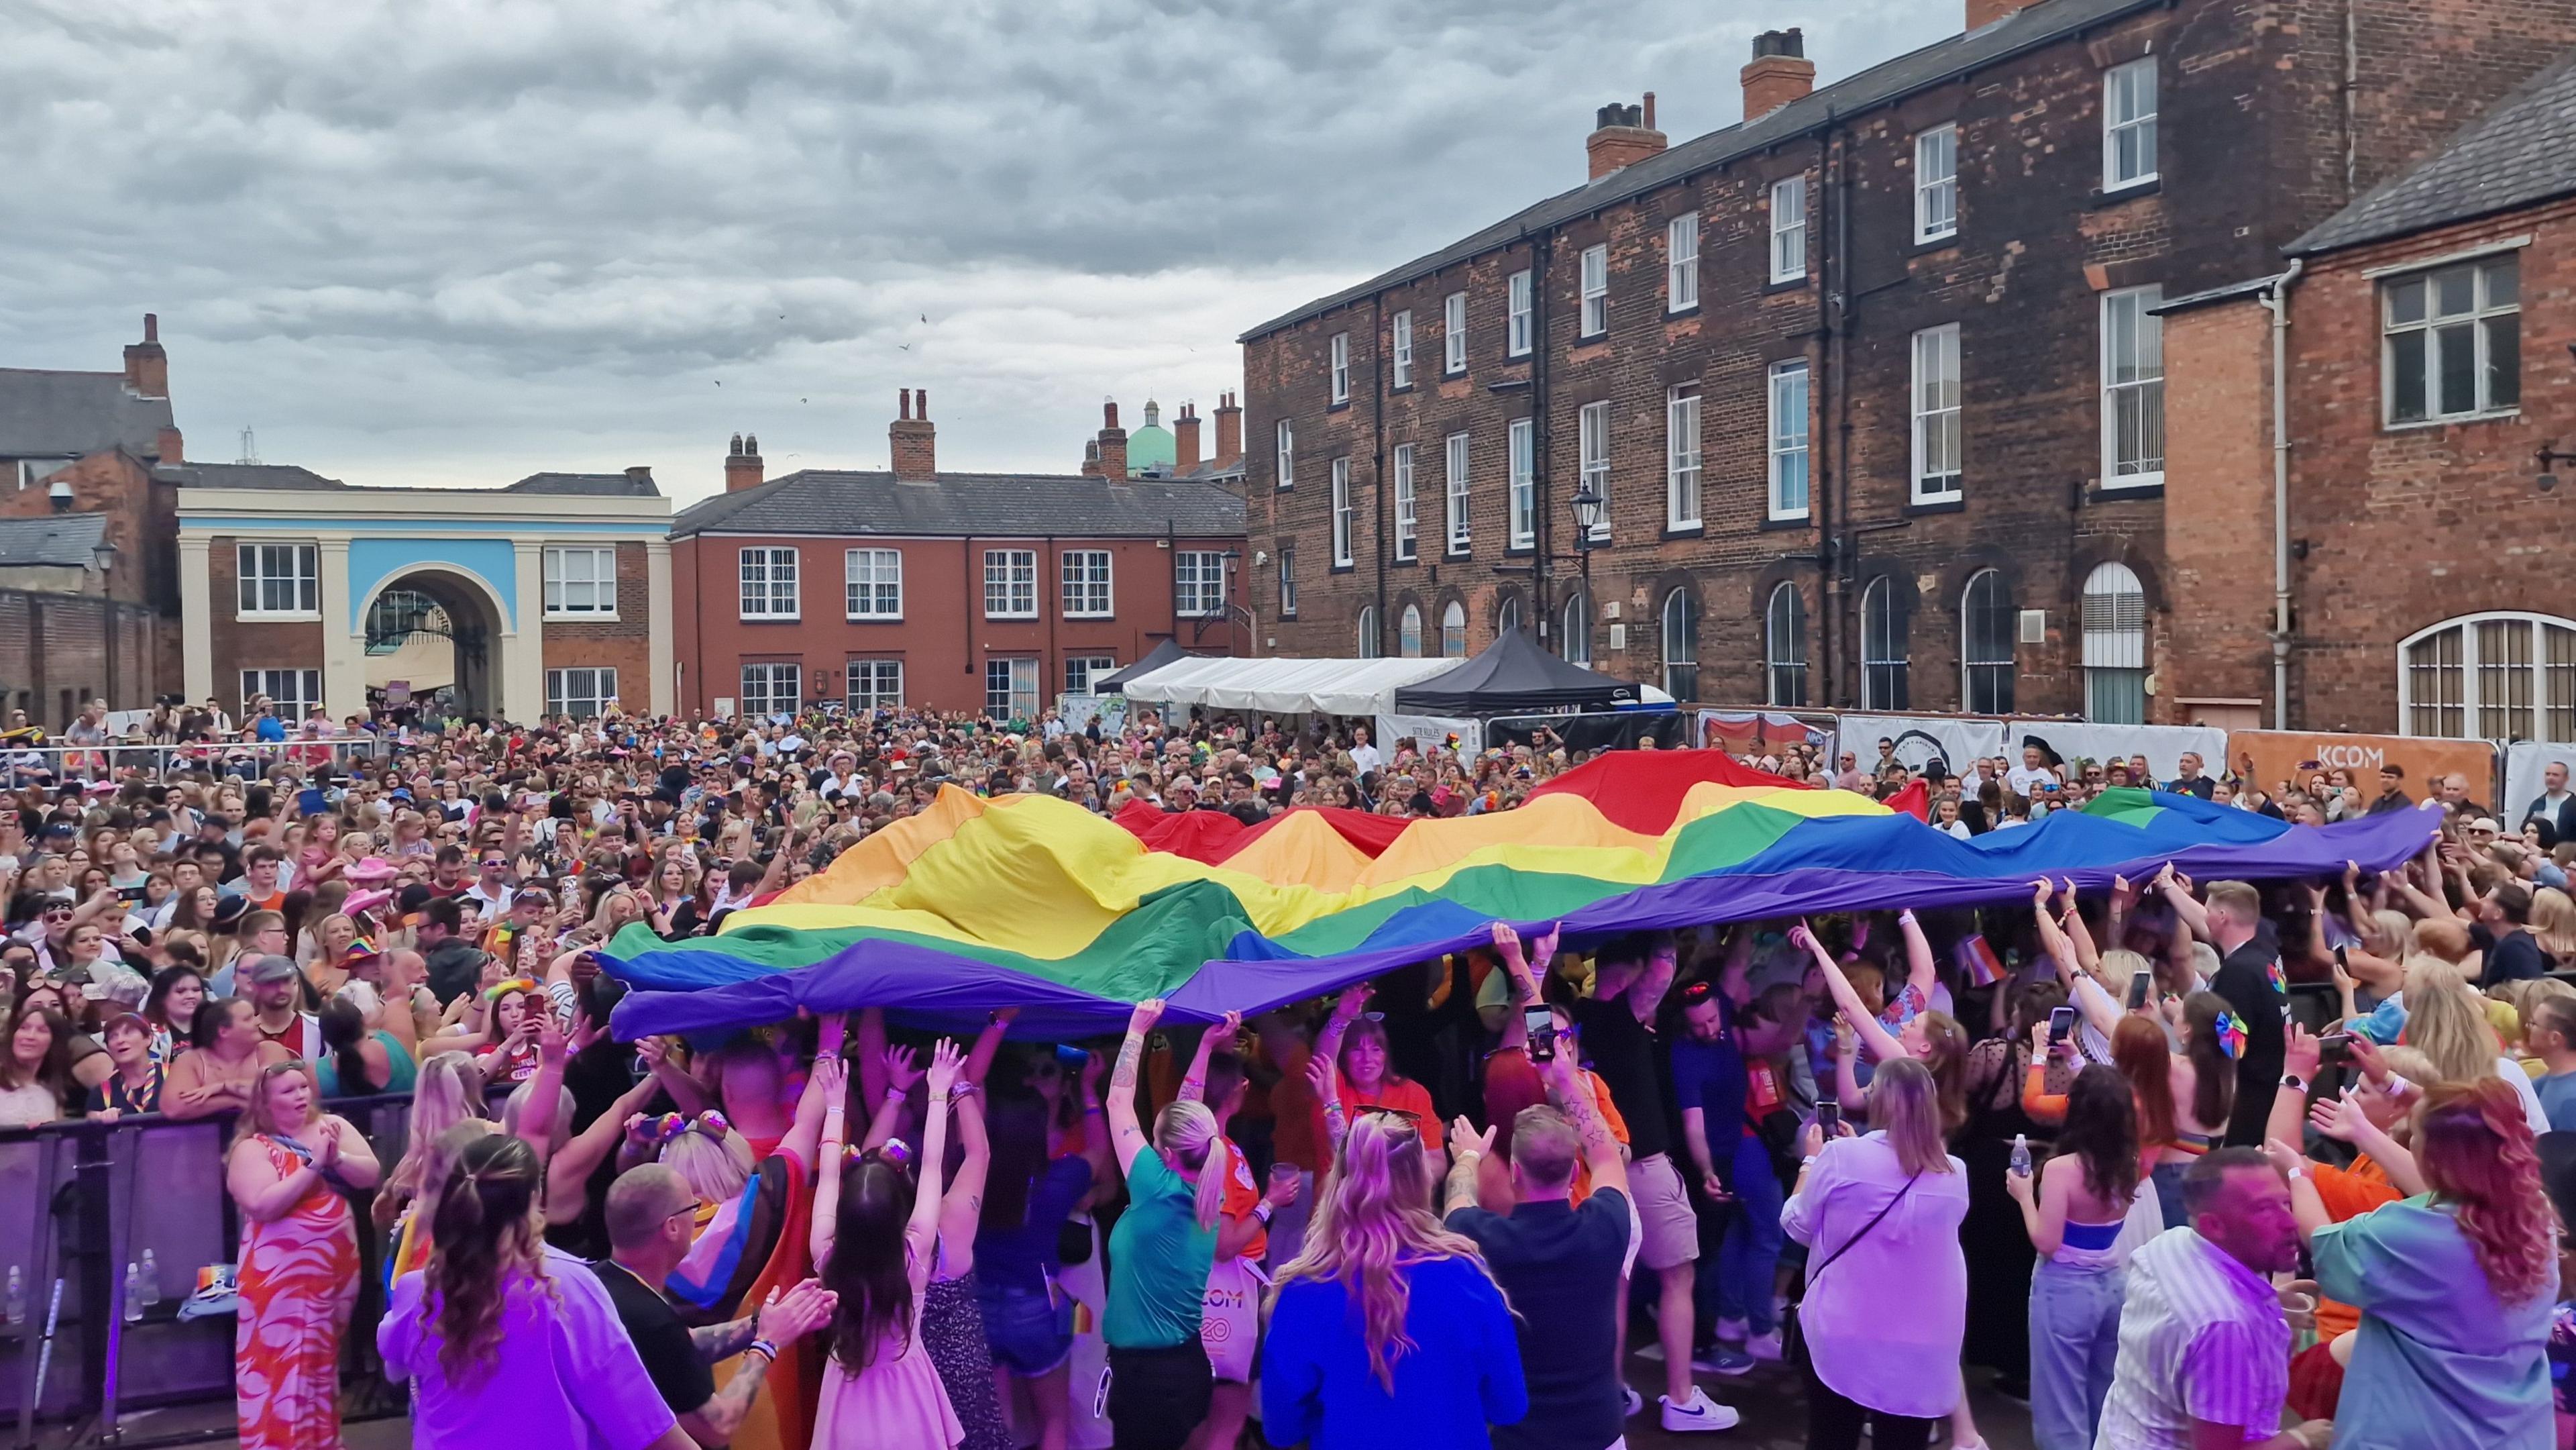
{"x": 1400, "y": 347}
{"x": 1784, "y": 667}
{"x": 1574, "y": 629}
{"x": 1009, "y": 561}
{"x": 2478, "y": 321}
{"x": 1594, "y": 271}
{"x": 1011, "y": 693}
{"x": 560, "y": 698}
{"x": 1093, "y": 667}
{"x": 1407, "y": 506}
{"x": 1779, "y": 447}
{"x": 251, "y": 576}
{"x": 1927, "y": 227}
{"x": 795, "y": 676}
{"x": 558, "y": 584}
{"x": 770, "y": 585}
{"x": 1287, "y": 581}
{"x": 1592, "y": 460}
{"x": 1681, "y": 263}
{"x": 1518, "y": 290}
{"x": 1685, "y": 468}
{"x": 856, "y": 592}
{"x": 2115, "y": 125}
{"x": 1344, "y": 517}
{"x": 1103, "y": 590}
{"x": 1370, "y": 646}
{"x": 1458, "y": 490}
{"x": 850, "y": 699}
{"x": 1453, "y": 334}
{"x": 2145, "y": 300}
{"x": 2474, "y": 672}
{"x": 1669, "y": 670}
{"x": 256, "y": 679}
{"x": 1886, "y": 663}
{"x": 2131, "y": 674}
{"x": 1520, "y": 525}
{"x": 1792, "y": 234}
{"x": 1945, "y": 339}
{"x": 1408, "y": 633}
{"x": 1996, "y": 702}
{"x": 1339, "y": 373}
{"x": 1453, "y": 631}
{"x": 1206, "y": 591}
{"x": 1284, "y": 440}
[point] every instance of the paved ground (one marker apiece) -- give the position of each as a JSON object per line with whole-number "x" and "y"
{"x": 1774, "y": 1417}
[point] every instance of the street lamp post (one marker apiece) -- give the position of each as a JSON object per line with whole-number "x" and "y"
{"x": 103, "y": 555}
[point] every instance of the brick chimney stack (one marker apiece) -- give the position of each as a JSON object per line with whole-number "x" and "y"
{"x": 1780, "y": 71}
{"x": 915, "y": 446}
{"x": 1229, "y": 431}
{"x": 1982, "y": 13}
{"x": 1113, "y": 444}
{"x": 743, "y": 468}
{"x": 166, "y": 449}
{"x": 147, "y": 367}
{"x": 1185, "y": 439}
{"x": 1622, "y": 136}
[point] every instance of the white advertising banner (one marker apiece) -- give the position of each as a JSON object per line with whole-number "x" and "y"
{"x": 2526, "y": 763}
{"x": 1919, "y": 739}
{"x": 2162, "y": 745}
{"x": 1432, "y": 732}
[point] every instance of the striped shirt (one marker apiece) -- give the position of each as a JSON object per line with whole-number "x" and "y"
{"x": 2202, "y": 1337}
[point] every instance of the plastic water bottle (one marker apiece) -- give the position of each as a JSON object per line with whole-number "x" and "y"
{"x": 151, "y": 1279}
{"x": 2021, "y": 1155}
{"x": 133, "y": 1292}
{"x": 14, "y": 1307}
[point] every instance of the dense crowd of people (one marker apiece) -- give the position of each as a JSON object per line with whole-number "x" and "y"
{"x": 2078, "y": 1144}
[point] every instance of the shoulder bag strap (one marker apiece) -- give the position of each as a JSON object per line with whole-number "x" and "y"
{"x": 1818, "y": 1271}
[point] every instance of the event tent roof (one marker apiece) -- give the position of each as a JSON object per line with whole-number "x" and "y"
{"x": 1514, "y": 674}
{"x": 1284, "y": 686}
{"x": 1160, "y": 655}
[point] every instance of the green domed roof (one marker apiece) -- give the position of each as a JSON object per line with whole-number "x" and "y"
{"x": 1150, "y": 448}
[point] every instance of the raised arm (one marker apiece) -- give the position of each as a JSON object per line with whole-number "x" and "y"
{"x": 1573, "y": 1097}
{"x": 1524, "y": 981}
{"x": 829, "y": 1074}
{"x": 2178, "y": 896}
{"x": 1194, "y": 1081}
{"x": 1882, "y": 1046}
{"x": 1467, "y": 1150}
{"x": 988, "y": 1043}
{"x": 921, "y": 1234}
{"x": 1126, "y": 1137}
{"x": 2078, "y": 935}
{"x": 688, "y": 1095}
{"x": 1095, "y": 1123}
{"x": 804, "y": 1134}
{"x": 568, "y": 1172}
{"x": 1647, "y": 993}
{"x": 899, "y": 1068}
{"x": 962, "y": 1206}
{"x": 1921, "y": 972}
{"x": 545, "y": 1090}
{"x": 872, "y": 1046}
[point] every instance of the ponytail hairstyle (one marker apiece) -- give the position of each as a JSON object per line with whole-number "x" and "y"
{"x": 344, "y": 1032}
{"x": 485, "y": 1235}
{"x": 1372, "y": 1222}
{"x": 1187, "y": 1136}
{"x": 2476, "y": 1152}
{"x": 2138, "y": 1050}
{"x": 2213, "y": 1071}
{"x": 867, "y": 1269}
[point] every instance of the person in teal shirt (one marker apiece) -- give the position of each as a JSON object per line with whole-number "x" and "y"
{"x": 2455, "y": 1314}
{"x": 1159, "y": 1257}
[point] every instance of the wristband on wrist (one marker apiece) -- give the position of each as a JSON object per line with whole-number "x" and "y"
{"x": 763, "y": 1348}
{"x": 895, "y": 1094}
{"x": 1262, "y": 1211}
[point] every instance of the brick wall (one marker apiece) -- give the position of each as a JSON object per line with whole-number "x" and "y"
{"x": 2218, "y": 500}
{"x": 624, "y": 644}
{"x": 245, "y": 644}
{"x": 2249, "y": 95}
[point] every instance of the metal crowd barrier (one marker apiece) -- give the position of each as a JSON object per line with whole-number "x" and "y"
{"x": 27, "y": 764}
{"x": 79, "y": 1201}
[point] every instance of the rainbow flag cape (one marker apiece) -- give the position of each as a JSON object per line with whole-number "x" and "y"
{"x": 1035, "y": 903}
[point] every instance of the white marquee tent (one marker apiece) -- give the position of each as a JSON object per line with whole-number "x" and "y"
{"x": 1285, "y": 686}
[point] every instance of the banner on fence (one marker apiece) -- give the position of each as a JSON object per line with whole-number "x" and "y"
{"x": 1920, "y": 739}
{"x": 2270, "y": 757}
{"x": 1431, "y": 732}
{"x": 2526, "y": 778}
{"x": 2162, "y": 745}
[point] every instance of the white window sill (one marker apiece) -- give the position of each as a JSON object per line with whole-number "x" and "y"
{"x": 1951, "y": 496}
{"x": 1794, "y": 516}
{"x": 580, "y": 618}
{"x": 2111, "y": 190}
{"x": 1778, "y": 278}
{"x": 773, "y": 619}
{"x": 2123, "y": 483}
{"x": 1671, "y": 524}
{"x": 873, "y": 618}
{"x": 293, "y": 616}
{"x": 1085, "y": 614}
{"x": 2446, "y": 420}
{"x": 1925, "y": 239}
{"x": 1011, "y": 618}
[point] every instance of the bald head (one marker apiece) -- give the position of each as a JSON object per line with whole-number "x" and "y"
{"x": 641, "y": 1201}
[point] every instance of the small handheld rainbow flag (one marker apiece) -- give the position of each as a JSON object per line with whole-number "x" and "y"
{"x": 1977, "y": 958}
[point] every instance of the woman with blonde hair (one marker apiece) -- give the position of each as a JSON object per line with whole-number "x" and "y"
{"x": 2455, "y": 1287}
{"x": 2553, "y": 921}
{"x": 2447, "y": 1021}
{"x": 1160, "y": 1254}
{"x": 1874, "y": 1211}
{"x": 288, "y": 1166}
{"x": 1436, "y": 1345}
{"x": 447, "y": 1094}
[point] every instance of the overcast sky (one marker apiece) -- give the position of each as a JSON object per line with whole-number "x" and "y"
{"x": 456, "y": 243}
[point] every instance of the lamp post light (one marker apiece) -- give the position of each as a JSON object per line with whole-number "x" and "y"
{"x": 103, "y": 556}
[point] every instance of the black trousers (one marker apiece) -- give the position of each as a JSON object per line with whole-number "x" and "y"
{"x": 1834, "y": 1423}
{"x": 1158, "y": 1396}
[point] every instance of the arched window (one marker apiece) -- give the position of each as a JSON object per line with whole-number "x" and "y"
{"x": 2115, "y": 646}
{"x": 1408, "y": 633}
{"x": 1882, "y": 648}
{"x": 1368, "y": 632}
{"x": 1784, "y": 646}
{"x": 1986, "y": 621}
{"x": 1453, "y": 631}
{"x": 1575, "y": 636}
{"x": 2491, "y": 676}
{"x": 1681, "y": 645}
{"x": 1507, "y": 615}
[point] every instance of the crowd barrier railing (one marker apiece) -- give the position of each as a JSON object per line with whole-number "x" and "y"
{"x": 26, "y": 765}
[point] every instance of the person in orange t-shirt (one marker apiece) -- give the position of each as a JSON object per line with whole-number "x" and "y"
{"x": 1366, "y": 1079}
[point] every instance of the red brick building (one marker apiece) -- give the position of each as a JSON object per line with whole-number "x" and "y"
{"x": 1871, "y": 385}
{"x": 968, "y": 592}
{"x": 2426, "y": 366}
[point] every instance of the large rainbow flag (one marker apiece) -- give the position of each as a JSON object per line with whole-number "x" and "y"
{"x": 1033, "y": 902}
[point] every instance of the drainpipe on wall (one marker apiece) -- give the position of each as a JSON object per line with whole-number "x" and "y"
{"x": 1378, "y": 503}
{"x": 2277, "y": 301}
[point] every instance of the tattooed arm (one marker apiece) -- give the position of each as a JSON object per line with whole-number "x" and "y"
{"x": 1125, "y": 1134}
{"x": 1573, "y": 1097}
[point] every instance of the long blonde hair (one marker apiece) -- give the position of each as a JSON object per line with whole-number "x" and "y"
{"x": 1187, "y": 1136}
{"x": 1904, "y": 1103}
{"x": 2553, "y": 920}
{"x": 448, "y": 1091}
{"x": 1372, "y": 1218}
{"x": 2447, "y": 1021}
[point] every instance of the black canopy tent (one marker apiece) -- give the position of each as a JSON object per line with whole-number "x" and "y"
{"x": 1160, "y": 655}
{"x": 1511, "y": 677}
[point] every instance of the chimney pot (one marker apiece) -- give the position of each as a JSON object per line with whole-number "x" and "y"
{"x": 736, "y": 450}
{"x": 1185, "y": 439}
{"x": 902, "y": 403}
{"x": 921, "y": 404}
{"x": 151, "y": 327}
{"x": 912, "y": 443}
{"x": 166, "y": 449}
{"x": 1650, "y": 110}
{"x": 1229, "y": 433}
{"x": 147, "y": 367}
{"x": 1113, "y": 444}
{"x": 751, "y": 444}
{"x": 1779, "y": 72}
{"x": 1625, "y": 135}
{"x": 1109, "y": 413}
{"x": 743, "y": 468}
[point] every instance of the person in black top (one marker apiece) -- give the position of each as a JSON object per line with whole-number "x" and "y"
{"x": 651, "y": 1217}
{"x": 2503, "y": 933}
{"x": 2249, "y": 977}
{"x": 1558, "y": 1263}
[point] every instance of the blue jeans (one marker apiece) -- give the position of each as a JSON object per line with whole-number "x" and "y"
{"x": 2074, "y": 1341}
{"x": 1749, "y": 1258}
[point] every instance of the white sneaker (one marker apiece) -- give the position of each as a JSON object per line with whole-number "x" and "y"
{"x": 1764, "y": 1347}
{"x": 1634, "y": 1403}
{"x": 1698, "y": 1413}
{"x": 1731, "y": 1331}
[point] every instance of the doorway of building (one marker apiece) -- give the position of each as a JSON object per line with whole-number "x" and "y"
{"x": 430, "y": 638}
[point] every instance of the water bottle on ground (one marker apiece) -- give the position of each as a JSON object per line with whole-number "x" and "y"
{"x": 2021, "y": 1154}
{"x": 133, "y": 1292}
{"x": 151, "y": 1279}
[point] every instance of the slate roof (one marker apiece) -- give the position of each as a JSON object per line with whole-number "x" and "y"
{"x": 1002, "y": 505}
{"x": 61, "y": 539}
{"x": 589, "y": 485}
{"x": 2522, "y": 151}
{"x": 1935, "y": 64}
{"x": 71, "y": 415}
{"x": 244, "y": 475}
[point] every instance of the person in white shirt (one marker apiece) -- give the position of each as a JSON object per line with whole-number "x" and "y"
{"x": 2039, "y": 765}
{"x": 1364, "y": 756}
{"x": 2204, "y": 1345}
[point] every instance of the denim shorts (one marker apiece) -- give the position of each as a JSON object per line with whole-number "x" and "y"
{"x": 1030, "y": 1330}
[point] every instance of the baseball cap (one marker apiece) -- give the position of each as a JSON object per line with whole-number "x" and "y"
{"x": 265, "y": 968}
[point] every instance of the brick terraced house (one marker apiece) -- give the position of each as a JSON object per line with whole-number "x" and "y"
{"x": 1860, "y": 402}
